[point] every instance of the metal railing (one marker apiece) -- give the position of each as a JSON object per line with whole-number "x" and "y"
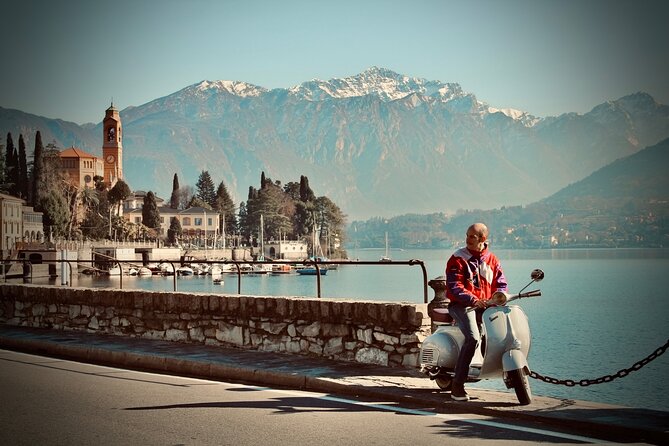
{"x": 27, "y": 271}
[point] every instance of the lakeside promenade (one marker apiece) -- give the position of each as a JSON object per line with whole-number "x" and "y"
{"x": 615, "y": 423}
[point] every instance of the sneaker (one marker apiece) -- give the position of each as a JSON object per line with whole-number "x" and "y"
{"x": 458, "y": 392}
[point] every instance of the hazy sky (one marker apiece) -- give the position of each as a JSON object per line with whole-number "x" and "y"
{"x": 68, "y": 59}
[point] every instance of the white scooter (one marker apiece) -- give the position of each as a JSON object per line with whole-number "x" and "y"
{"x": 503, "y": 351}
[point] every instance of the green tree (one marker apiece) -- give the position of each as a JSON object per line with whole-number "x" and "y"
{"x": 23, "y": 185}
{"x": 37, "y": 170}
{"x": 226, "y": 208}
{"x": 3, "y": 176}
{"x": 56, "y": 213}
{"x": 292, "y": 189}
{"x": 306, "y": 194}
{"x": 196, "y": 202}
{"x": 150, "y": 214}
{"x": 174, "y": 198}
{"x": 118, "y": 194}
{"x": 186, "y": 194}
{"x": 274, "y": 205}
{"x": 205, "y": 189}
{"x": 174, "y": 232}
{"x": 11, "y": 166}
{"x": 242, "y": 220}
{"x": 84, "y": 202}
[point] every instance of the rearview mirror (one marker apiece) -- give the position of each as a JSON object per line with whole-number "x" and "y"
{"x": 537, "y": 275}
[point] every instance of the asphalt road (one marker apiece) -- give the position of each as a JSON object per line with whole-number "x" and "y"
{"x": 51, "y": 401}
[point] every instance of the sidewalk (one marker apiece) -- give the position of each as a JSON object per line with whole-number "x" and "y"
{"x": 344, "y": 378}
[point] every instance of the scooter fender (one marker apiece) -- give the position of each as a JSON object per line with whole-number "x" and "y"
{"x": 514, "y": 360}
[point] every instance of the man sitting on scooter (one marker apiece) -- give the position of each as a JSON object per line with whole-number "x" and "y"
{"x": 473, "y": 274}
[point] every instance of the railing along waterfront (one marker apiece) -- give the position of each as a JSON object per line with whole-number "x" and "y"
{"x": 27, "y": 271}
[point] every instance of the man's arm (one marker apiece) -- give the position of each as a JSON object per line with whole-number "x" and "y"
{"x": 456, "y": 279}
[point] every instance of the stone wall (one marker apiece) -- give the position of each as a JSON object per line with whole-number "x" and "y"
{"x": 385, "y": 333}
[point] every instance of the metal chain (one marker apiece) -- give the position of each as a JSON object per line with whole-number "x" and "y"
{"x": 606, "y": 378}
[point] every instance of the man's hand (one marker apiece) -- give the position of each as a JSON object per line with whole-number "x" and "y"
{"x": 481, "y": 304}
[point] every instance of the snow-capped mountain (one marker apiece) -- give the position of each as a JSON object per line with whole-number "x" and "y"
{"x": 379, "y": 82}
{"x": 378, "y": 143}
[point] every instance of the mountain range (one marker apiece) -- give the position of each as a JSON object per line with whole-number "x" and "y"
{"x": 378, "y": 143}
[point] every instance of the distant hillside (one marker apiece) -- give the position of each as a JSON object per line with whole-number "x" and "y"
{"x": 378, "y": 143}
{"x": 625, "y": 204}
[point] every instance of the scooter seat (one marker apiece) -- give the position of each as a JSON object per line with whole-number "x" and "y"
{"x": 441, "y": 315}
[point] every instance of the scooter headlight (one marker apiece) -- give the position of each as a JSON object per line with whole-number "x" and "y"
{"x": 499, "y": 298}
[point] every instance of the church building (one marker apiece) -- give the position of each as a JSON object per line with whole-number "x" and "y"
{"x": 82, "y": 167}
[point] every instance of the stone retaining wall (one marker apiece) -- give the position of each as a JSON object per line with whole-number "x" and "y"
{"x": 385, "y": 333}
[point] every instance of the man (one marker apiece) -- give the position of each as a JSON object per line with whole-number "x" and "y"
{"x": 473, "y": 274}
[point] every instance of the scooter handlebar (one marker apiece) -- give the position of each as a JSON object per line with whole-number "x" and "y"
{"x": 534, "y": 293}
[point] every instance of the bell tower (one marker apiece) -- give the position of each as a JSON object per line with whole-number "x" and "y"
{"x": 112, "y": 146}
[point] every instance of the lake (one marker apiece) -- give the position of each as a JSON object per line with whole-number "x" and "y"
{"x": 601, "y": 310}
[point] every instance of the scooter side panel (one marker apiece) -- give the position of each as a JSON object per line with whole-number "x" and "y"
{"x": 442, "y": 348}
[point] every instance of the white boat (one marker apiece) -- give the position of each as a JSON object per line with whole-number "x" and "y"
{"x": 185, "y": 271}
{"x": 144, "y": 272}
{"x": 218, "y": 281}
{"x": 114, "y": 271}
{"x": 215, "y": 270}
{"x": 133, "y": 271}
{"x": 386, "y": 257}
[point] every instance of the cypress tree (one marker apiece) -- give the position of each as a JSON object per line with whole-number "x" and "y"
{"x": 11, "y": 165}
{"x": 38, "y": 170}
{"x": 306, "y": 194}
{"x": 174, "y": 198}
{"x": 22, "y": 187}
{"x": 3, "y": 178}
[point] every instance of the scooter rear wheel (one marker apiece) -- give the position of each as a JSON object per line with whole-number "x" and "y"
{"x": 444, "y": 382}
{"x": 521, "y": 385}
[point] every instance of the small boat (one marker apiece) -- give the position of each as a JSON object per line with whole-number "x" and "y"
{"x": 166, "y": 269}
{"x": 281, "y": 269}
{"x": 144, "y": 272}
{"x": 215, "y": 270}
{"x": 114, "y": 271}
{"x": 218, "y": 281}
{"x": 311, "y": 270}
{"x": 386, "y": 258}
{"x": 185, "y": 271}
{"x": 133, "y": 271}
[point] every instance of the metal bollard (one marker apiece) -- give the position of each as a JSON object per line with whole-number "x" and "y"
{"x": 437, "y": 309}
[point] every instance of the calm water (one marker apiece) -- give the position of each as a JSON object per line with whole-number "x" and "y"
{"x": 601, "y": 310}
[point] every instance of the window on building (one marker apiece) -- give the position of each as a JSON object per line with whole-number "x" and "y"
{"x": 198, "y": 222}
{"x": 186, "y": 221}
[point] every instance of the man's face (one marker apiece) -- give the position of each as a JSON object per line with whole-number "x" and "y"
{"x": 474, "y": 240}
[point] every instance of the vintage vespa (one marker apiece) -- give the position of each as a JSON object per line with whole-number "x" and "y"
{"x": 502, "y": 353}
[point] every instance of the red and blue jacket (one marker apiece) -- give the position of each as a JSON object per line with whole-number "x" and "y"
{"x": 472, "y": 276}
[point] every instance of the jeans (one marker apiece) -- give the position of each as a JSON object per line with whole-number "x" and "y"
{"x": 470, "y": 328}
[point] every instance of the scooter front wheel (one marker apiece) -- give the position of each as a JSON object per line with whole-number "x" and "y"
{"x": 521, "y": 385}
{"x": 444, "y": 382}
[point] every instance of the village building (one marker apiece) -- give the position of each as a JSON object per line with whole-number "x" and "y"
{"x": 19, "y": 224}
{"x": 285, "y": 250}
